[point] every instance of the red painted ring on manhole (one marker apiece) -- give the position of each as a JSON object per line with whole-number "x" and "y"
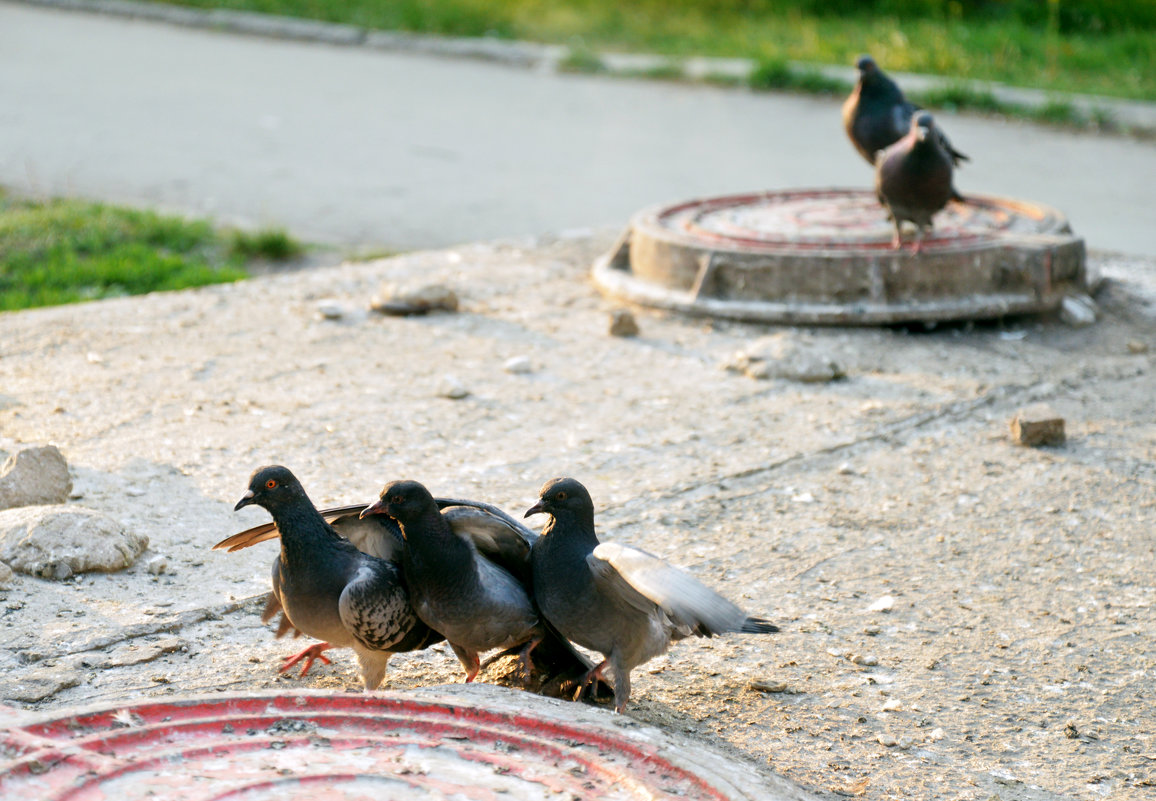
{"x": 825, "y": 256}
{"x": 487, "y": 744}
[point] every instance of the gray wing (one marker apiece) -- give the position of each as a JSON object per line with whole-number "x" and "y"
{"x": 376, "y": 535}
{"x": 493, "y": 536}
{"x": 374, "y": 607}
{"x": 689, "y": 603}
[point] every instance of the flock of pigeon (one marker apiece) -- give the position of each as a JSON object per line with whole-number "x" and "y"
{"x": 913, "y": 159}
{"x": 410, "y": 570}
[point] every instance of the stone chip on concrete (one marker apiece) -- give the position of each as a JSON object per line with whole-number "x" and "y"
{"x": 788, "y": 356}
{"x": 400, "y": 300}
{"x": 1037, "y": 425}
{"x": 57, "y": 541}
{"x": 33, "y": 476}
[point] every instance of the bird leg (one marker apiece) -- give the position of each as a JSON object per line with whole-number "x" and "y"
{"x": 310, "y": 654}
{"x": 471, "y": 663}
{"x": 897, "y": 240}
{"x": 527, "y": 665}
{"x": 591, "y": 676}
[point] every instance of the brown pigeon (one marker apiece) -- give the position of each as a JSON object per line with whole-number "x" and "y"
{"x": 913, "y": 178}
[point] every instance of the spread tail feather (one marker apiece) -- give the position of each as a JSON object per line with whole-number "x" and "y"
{"x": 756, "y": 625}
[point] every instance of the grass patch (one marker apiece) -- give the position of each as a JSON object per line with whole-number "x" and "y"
{"x": 1106, "y": 53}
{"x": 67, "y": 251}
{"x": 779, "y": 75}
{"x": 961, "y": 97}
{"x": 271, "y": 244}
{"x": 581, "y": 59}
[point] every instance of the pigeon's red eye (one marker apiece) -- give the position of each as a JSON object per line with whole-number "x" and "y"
{"x": 396, "y": 499}
{"x": 561, "y": 496}
{"x": 270, "y": 484}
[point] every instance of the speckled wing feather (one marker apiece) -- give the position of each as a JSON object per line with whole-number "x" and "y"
{"x": 375, "y": 608}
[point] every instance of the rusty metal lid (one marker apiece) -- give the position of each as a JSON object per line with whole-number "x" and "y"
{"x": 825, "y": 256}
{"x": 460, "y": 742}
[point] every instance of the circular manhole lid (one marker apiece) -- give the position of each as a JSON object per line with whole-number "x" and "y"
{"x": 482, "y": 743}
{"x": 825, "y": 256}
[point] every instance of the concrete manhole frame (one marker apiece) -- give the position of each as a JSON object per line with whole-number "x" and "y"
{"x": 824, "y": 257}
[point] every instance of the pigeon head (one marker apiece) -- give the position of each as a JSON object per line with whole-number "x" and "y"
{"x": 922, "y": 125}
{"x": 562, "y": 496}
{"x": 271, "y": 487}
{"x": 866, "y": 65}
{"x": 404, "y": 501}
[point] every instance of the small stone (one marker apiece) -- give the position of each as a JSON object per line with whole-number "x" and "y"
{"x": 788, "y": 356}
{"x": 769, "y": 686}
{"x": 57, "y": 541}
{"x": 403, "y": 300}
{"x": 803, "y": 497}
{"x": 873, "y": 631}
{"x": 868, "y": 660}
{"x": 1136, "y": 346}
{"x": 451, "y": 387}
{"x": 94, "y": 358}
{"x": 518, "y": 365}
{"x": 892, "y": 705}
{"x": 623, "y": 324}
{"x": 846, "y": 469}
{"x": 1037, "y": 425}
{"x": 136, "y": 492}
{"x": 884, "y": 604}
{"x": 330, "y": 310}
{"x": 936, "y": 735}
{"x": 157, "y": 565}
{"x": 34, "y": 476}
{"x": 887, "y": 739}
{"x": 1078, "y": 310}
{"x": 906, "y": 741}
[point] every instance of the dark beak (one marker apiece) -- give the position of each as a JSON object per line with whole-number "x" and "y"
{"x": 375, "y": 508}
{"x": 536, "y": 509}
{"x": 246, "y": 499}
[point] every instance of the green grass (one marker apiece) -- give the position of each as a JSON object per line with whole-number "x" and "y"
{"x": 67, "y": 251}
{"x": 1065, "y": 46}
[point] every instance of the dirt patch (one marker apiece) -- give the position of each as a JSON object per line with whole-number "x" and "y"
{"x": 962, "y": 617}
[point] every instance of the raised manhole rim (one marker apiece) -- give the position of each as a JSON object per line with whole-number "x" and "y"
{"x": 486, "y": 706}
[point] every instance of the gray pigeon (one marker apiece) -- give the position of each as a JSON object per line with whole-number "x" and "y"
{"x": 913, "y": 178}
{"x": 476, "y": 603}
{"x": 620, "y": 601}
{"x": 876, "y": 114}
{"x": 328, "y": 589}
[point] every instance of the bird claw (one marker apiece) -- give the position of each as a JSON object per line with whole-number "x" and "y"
{"x": 309, "y": 655}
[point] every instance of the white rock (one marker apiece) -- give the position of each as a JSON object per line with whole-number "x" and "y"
{"x": 936, "y": 735}
{"x": 884, "y": 604}
{"x": 887, "y": 739}
{"x": 57, "y": 541}
{"x": 892, "y": 705}
{"x": 1078, "y": 310}
{"x": 786, "y": 355}
{"x": 157, "y": 565}
{"x": 330, "y": 310}
{"x": 34, "y": 476}
{"x": 451, "y": 387}
{"x": 406, "y": 299}
{"x": 518, "y": 365}
{"x": 866, "y": 660}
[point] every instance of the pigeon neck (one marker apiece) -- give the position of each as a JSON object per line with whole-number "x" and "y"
{"x": 577, "y": 527}
{"x": 302, "y": 528}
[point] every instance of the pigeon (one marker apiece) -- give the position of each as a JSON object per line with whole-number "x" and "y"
{"x": 492, "y": 532}
{"x": 913, "y": 178}
{"x": 876, "y": 115}
{"x": 327, "y": 589}
{"x": 620, "y": 601}
{"x": 475, "y": 602}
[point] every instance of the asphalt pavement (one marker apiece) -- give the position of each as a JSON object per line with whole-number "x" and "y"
{"x": 363, "y": 147}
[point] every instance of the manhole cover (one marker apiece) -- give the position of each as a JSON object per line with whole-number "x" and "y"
{"x": 481, "y": 744}
{"x": 825, "y": 256}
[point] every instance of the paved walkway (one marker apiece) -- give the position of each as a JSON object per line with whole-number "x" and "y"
{"x": 363, "y": 147}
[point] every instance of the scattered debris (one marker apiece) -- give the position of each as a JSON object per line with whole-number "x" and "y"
{"x": 57, "y": 541}
{"x": 1137, "y": 347}
{"x": 330, "y": 310}
{"x": 884, "y": 604}
{"x": 157, "y": 565}
{"x": 865, "y": 660}
{"x": 1037, "y": 425}
{"x": 405, "y": 300}
{"x": 623, "y": 324}
{"x": 1078, "y": 310}
{"x": 786, "y": 355}
{"x": 518, "y": 365}
{"x": 452, "y": 387}
{"x": 34, "y": 476}
{"x": 768, "y": 686}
